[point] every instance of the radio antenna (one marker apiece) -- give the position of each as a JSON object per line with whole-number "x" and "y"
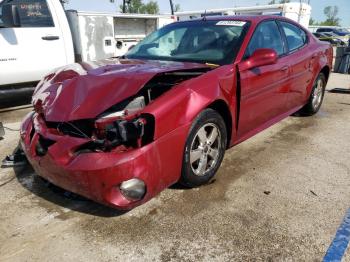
{"x": 205, "y": 15}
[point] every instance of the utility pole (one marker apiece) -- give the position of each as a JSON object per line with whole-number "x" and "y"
{"x": 171, "y": 7}
{"x": 124, "y": 6}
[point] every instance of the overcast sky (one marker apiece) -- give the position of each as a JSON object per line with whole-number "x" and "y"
{"x": 186, "y": 5}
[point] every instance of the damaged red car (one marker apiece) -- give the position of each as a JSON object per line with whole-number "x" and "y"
{"x": 119, "y": 131}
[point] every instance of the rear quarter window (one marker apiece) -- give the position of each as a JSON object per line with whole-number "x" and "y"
{"x": 296, "y": 37}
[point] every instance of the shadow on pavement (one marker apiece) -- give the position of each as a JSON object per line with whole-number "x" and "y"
{"x": 45, "y": 190}
{"x": 340, "y": 91}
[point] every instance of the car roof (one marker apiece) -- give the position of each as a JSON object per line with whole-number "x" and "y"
{"x": 254, "y": 19}
{"x": 251, "y": 18}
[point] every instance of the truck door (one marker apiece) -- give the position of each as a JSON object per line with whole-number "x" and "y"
{"x": 263, "y": 89}
{"x": 35, "y": 47}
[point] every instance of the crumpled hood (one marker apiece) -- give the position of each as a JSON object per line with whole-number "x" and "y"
{"x": 83, "y": 91}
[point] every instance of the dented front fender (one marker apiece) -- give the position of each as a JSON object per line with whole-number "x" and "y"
{"x": 179, "y": 106}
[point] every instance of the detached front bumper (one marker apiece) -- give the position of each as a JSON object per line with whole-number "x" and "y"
{"x": 98, "y": 176}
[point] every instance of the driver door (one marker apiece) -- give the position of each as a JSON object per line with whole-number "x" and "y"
{"x": 264, "y": 89}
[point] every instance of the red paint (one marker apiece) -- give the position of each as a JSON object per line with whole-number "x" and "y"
{"x": 268, "y": 94}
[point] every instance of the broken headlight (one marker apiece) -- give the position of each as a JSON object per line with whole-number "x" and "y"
{"x": 124, "y": 127}
{"x": 125, "y": 108}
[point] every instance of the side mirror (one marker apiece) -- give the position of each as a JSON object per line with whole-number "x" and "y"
{"x": 10, "y": 16}
{"x": 260, "y": 57}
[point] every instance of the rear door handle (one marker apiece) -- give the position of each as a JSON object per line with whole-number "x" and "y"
{"x": 50, "y": 37}
{"x": 285, "y": 68}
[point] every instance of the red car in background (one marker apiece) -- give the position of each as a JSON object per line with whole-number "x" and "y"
{"x": 119, "y": 131}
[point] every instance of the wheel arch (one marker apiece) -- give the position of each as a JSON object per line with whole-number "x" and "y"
{"x": 222, "y": 108}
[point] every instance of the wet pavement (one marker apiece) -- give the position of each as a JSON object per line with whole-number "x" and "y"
{"x": 279, "y": 196}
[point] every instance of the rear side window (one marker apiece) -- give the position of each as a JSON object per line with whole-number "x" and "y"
{"x": 266, "y": 35}
{"x": 33, "y": 13}
{"x": 296, "y": 37}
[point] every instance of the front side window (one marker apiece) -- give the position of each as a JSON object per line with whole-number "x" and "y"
{"x": 296, "y": 37}
{"x": 32, "y": 13}
{"x": 266, "y": 35}
{"x": 214, "y": 42}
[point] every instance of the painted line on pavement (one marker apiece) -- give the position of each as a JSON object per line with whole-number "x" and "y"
{"x": 340, "y": 242}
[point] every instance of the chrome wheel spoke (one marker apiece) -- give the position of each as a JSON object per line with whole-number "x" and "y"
{"x": 213, "y": 153}
{"x": 195, "y": 155}
{"x": 202, "y": 135}
{"x": 202, "y": 167}
{"x": 213, "y": 136}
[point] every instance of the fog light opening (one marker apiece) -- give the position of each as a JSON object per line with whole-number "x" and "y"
{"x": 133, "y": 189}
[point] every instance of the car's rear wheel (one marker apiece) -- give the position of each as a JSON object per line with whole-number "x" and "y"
{"x": 316, "y": 97}
{"x": 204, "y": 150}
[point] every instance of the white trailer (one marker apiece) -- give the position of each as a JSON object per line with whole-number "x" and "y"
{"x": 299, "y": 12}
{"x": 102, "y": 35}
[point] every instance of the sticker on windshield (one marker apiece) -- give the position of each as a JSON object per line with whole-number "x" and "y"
{"x": 231, "y": 23}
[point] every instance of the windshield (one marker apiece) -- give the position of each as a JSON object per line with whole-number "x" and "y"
{"x": 215, "y": 42}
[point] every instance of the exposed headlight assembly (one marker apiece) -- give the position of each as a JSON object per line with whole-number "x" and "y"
{"x": 122, "y": 125}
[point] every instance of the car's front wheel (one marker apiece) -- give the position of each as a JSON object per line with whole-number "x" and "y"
{"x": 204, "y": 150}
{"x": 316, "y": 97}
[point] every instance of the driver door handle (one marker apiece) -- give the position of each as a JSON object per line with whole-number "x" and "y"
{"x": 50, "y": 37}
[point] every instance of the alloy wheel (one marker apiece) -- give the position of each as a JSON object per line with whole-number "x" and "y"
{"x": 317, "y": 94}
{"x": 205, "y": 149}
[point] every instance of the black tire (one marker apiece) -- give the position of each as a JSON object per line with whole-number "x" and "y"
{"x": 206, "y": 122}
{"x": 310, "y": 108}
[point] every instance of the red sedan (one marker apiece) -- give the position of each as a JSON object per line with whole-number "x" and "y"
{"x": 120, "y": 131}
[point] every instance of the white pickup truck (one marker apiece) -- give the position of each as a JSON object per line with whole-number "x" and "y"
{"x": 37, "y": 36}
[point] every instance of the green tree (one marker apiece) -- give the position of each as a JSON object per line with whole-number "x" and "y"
{"x": 150, "y": 8}
{"x": 272, "y": 2}
{"x": 177, "y": 8}
{"x": 313, "y": 22}
{"x": 331, "y": 13}
{"x": 138, "y": 7}
{"x": 284, "y": 1}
